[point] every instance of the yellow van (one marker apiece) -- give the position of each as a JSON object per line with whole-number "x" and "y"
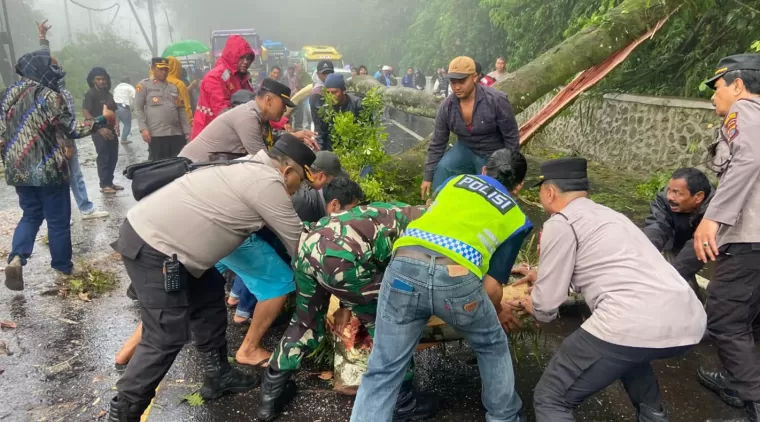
{"x": 312, "y": 54}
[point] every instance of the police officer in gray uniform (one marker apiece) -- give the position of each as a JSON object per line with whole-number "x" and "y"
{"x": 730, "y": 235}
{"x": 642, "y": 309}
{"x": 161, "y": 114}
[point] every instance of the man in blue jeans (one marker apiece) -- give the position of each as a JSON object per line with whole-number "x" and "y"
{"x": 480, "y": 117}
{"x": 451, "y": 263}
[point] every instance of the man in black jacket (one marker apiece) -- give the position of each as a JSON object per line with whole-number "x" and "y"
{"x": 674, "y": 216}
{"x": 336, "y": 86}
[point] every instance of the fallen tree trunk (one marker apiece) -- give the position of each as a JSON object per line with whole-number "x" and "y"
{"x": 589, "y": 47}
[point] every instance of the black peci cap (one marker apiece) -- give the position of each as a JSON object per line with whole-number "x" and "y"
{"x": 325, "y": 66}
{"x": 297, "y": 151}
{"x": 735, "y": 62}
{"x": 571, "y": 169}
{"x": 278, "y": 89}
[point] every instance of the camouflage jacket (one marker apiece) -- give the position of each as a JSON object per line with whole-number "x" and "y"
{"x": 354, "y": 245}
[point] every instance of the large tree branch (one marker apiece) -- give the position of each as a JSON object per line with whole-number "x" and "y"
{"x": 589, "y": 47}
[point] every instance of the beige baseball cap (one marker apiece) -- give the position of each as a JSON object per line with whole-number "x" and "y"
{"x": 461, "y": 67}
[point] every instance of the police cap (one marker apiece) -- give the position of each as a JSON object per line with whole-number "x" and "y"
{"x": 570, "y": 169}
{"x": 293, "y": 148}
{"x": 160, "y": 62}
{"x": 278, "y": 89}
{"x": 735, "y": 62}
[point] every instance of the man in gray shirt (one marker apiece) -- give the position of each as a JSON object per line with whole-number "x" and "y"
{"x": 481, "y": 118}
{"x": 642, "y": 309}
{"x": 170, "y": 243}
{"x": 244, "y": 129}
{"x": 730, "y": 235}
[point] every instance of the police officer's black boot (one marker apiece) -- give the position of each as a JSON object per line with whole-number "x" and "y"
{"x": 222, "y": 378}
{"x": 649, "y": 414}
{"x": 752, "y": 410}
{"x": 414, "y": 406}
{"x": 718, "y": 382}
{"x": 277, "y": 389}
{"x": 123, "y": 411}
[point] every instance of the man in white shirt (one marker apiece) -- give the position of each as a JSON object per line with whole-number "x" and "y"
{"x": 124, "y": 96}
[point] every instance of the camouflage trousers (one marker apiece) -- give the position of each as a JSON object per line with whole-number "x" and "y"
{"x": 307, "y": 326}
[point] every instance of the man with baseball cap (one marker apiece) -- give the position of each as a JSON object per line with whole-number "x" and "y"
{"x": 730, "y": 235}
{"x": 244, "y": 129}
{"x": 642, "y": 309}
{"x": 343, "y": 102}
{"x": 308, "y": 201}
{"x": 482, "y": 119}
{"x": 169, "y": 244}
{"x": 324, "y": 68}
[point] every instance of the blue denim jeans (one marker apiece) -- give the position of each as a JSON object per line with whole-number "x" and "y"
{"x": 247, "y": 299}
{"x": 457, "y": 160}
{"x": 402, "y": 315}
{"x": 125, "y": 117}
{"x": 50, "y": 203}
{"x": 78, "y": 188}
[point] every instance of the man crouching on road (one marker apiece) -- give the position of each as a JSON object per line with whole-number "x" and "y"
{"x": 674, "y": 216}
{"x": 643, "y": 310}
{"x": 170, "y": 243}
{"x": 345, "y": 255}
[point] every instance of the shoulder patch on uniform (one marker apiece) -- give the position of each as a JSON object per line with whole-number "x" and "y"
{"x": 138, "y": 88}
{"x": 730, "y": 123}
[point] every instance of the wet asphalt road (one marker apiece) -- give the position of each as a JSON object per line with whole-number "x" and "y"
{"x": 60, "y": 361}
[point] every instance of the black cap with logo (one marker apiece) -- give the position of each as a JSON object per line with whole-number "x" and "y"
{"x": 325, "y": 66}
{"x": 329, "y": 163}
{"x": 297, "y": 151}
{"x": 735, "y": 62}
{"x": 570, "y": 169}
{"x": 278, "y": 89}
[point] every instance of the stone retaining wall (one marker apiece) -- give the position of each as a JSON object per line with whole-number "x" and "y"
{"x": 632, "y": 132}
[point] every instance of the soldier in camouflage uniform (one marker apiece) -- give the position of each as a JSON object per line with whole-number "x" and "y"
{"x": 344, "y": 255}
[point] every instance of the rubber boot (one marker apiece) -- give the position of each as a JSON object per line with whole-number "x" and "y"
{"x": 413, "y": 406}
{"x": 123, "y": 411}
{"x": 718, "y": 381}
{"x": 222, "y": 378}
{"x": 648, "y": 414}
{"x": 277, "y": 390}
{"x": 752, "y": 410}
{"x": 14, "y": 274}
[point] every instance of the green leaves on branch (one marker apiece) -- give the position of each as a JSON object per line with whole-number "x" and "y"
{"x": 360, "y": 144}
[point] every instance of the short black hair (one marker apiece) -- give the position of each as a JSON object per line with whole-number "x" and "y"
{"x": 508, "y": 167}
{"x": 344, "y": 190}
{"x": 751, "y": 79}
{"x": 696, "y": 181}
{"x": 565, "y": 185}
{"x": 362, "y": 67}
{"x": 275, "y": 67}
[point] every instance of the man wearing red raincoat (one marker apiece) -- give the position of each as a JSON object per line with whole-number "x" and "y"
{"x": 228, "y": 75}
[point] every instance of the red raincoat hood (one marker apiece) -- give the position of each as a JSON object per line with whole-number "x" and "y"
{"x": 235, "y": 47}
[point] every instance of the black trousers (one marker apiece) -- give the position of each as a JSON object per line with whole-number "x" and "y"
{"x": 168, "y": 318}
{"x": 108, "y": 156}
{"x": 161, "y": 147}
{"x": 585, "y": 365}
{"x": 733, "y": 306}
